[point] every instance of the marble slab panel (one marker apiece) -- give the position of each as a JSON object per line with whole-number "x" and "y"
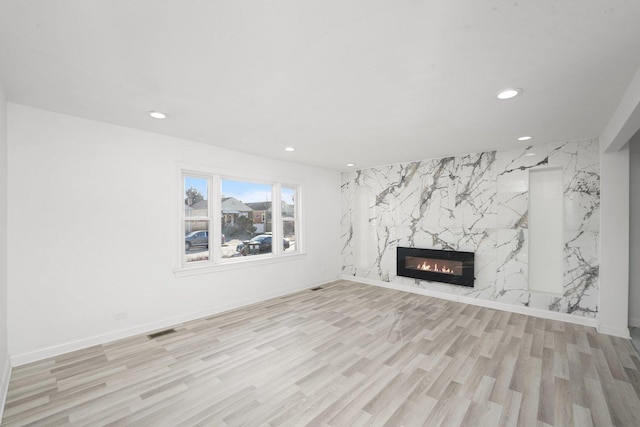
{"x": 478, "y": 203}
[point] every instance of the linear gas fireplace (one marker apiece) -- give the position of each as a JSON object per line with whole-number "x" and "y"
{"x": 437, "y": 266}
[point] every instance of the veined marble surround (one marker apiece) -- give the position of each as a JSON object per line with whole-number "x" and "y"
{"x": 477, "y": 203}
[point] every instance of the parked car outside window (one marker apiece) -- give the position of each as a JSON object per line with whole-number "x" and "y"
{"x": 264, "y": 240}
{"x": 198, "y": 238}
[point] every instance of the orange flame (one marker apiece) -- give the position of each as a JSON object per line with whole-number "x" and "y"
{"x": 427, "y": 267}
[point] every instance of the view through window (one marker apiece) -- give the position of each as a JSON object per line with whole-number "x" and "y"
{"x": 247, "y": 220}
{"x": 289, "y": 217}
{"x": 197, "y": 220}
{"x": 252, "y": 216}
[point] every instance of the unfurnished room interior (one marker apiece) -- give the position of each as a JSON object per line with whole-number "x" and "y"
{"x": 357, "y": 213}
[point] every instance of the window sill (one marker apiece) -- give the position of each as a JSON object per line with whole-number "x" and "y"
{"x": 236, "y": 264}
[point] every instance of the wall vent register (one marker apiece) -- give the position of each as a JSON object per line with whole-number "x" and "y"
{"x": 161, "y": 333}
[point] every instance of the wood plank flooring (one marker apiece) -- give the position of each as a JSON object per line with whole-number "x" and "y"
{"x": 346, "y": 355}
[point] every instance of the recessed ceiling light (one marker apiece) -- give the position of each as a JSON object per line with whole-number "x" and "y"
{"x": 290, "y": 149}
{"x": 351, "y": 164}
{"x": 530, "y": 154}
{"x": 157, "y": 114}
{"x": 509, "y": 93}
{"x": 524, "y": 138}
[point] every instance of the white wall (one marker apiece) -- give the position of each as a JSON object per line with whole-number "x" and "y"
{"x": 613, "y": 310}
{"x": 92, "y": 231}
{"x": 4, "y": 358}
{"x": 634, "y": 232}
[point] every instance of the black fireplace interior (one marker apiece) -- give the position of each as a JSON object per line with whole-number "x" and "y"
{"x": 452, "y": 267}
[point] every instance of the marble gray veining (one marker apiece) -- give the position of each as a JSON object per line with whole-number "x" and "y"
{"x": 478, "y": 203}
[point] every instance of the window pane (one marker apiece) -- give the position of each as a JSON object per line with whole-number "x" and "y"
{"x": 246, "y": 217}
{"x": 195, "y": 197}
{"x": 196, "y": 241}
{"x": 289, "y": 218}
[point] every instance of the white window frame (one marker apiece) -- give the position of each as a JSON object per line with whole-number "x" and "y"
{"x": 216, "y": 261}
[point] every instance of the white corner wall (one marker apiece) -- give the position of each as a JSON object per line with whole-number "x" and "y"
{"x": 634, "y": 232}
{"x": 92, "y": 226}
{"x": 5, "y": 365}
{"x": 613, "y": 317}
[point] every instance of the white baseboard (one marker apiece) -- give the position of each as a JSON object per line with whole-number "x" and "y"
{"x": 536, "y": 312}
{"x": 617, "y": 332}
{"x": 4, "y": 384}
{"x": 34, "y": 356}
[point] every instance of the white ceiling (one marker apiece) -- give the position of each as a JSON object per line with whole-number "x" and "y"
{"x": 370, "y": 82}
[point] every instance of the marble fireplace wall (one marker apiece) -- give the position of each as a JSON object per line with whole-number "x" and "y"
{"x": 477, "y": 203}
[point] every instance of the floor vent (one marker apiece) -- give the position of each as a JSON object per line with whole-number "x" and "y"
{"x": 161, "y": 333}
{"x": 317, "y": 288}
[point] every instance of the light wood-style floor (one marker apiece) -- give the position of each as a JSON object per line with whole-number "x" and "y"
{"x": 346, "y": 355}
